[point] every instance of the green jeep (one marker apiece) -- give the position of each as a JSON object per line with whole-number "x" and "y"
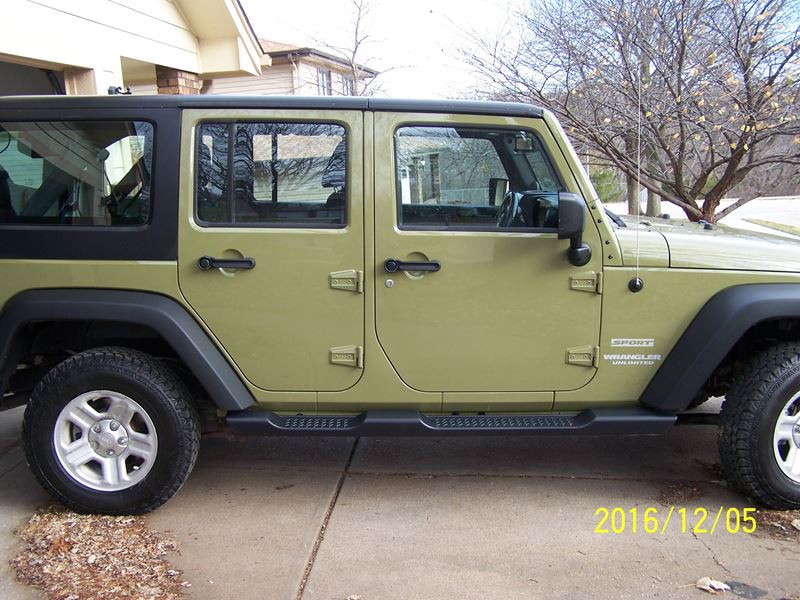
{"x": 351, "y": 266}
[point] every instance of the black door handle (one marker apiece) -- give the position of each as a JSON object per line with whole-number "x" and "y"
{"x": 206, "y": 263}
{"x": 392, "y": 265}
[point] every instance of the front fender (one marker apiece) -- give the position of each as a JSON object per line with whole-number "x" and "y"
{"x": 722, "y": 321}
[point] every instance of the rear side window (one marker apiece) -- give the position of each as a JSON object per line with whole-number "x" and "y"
{"x": 86, "y": 173}
{"x": 271, "y": 174}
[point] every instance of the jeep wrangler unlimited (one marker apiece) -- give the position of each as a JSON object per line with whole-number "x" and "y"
{"x": 351, "y": 266}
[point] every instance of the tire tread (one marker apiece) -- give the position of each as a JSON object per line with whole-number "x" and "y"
{"x": 147, "y": 371}
{"x": 741, "y": 412}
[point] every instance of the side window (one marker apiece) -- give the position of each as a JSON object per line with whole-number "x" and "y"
{"x": 271, "y": 174}
{"x": 75, "y": 173}
{"x": 473, "y": 178}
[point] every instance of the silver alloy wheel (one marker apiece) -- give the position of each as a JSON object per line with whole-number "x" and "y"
{"x": 786, "y": 439}
{"x": 105, "y": 441}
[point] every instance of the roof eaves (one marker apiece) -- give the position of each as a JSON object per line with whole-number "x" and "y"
{"x": 313, "y": 52}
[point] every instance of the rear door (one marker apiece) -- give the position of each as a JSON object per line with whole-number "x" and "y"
{"x": 271, "y": 241}
{"x": 500, "y": 315}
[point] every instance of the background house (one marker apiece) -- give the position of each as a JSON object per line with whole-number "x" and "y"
{"x": 294, "y": 71}
{"x": 300, "y": 71}
{"x": 89, "y": 46}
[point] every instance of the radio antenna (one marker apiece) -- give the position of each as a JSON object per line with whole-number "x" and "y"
{"x": 636, "y": 284}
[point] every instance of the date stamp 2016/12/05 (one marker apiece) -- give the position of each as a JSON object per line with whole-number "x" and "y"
{"x": 659, "y": 520}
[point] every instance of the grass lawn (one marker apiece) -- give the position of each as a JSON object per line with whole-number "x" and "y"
{"x": 778, "y": 226}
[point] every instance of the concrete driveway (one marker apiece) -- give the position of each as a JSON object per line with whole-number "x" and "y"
{"x": 482, "y": 518}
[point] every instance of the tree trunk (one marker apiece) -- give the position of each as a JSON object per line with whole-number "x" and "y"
{"x": 653, "y": 205}
{"x": 632, "y": 189}
{"x": 710, "y": 206}
{"x": 633, "y": 195}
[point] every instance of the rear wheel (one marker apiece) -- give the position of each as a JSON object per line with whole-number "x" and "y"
{"x": 760, "y": 428}
{"x": 111, "y": 430}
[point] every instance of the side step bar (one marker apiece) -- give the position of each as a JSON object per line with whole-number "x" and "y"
{"x": 635, "y": 420}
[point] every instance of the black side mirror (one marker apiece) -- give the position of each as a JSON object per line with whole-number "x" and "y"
{"x": 570, "y": 226}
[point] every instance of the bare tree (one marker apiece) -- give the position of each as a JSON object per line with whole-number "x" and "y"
{"x": 353, "y": 53}
{"x": 690, "y": 96}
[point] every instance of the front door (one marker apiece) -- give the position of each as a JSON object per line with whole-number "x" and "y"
{"x": 271, "y": 242}
{"x": 499, "y": 314}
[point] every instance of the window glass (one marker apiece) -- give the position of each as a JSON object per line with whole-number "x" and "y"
{"x": 458, "y": 178}
{"x": 75, "y": 173}
{"x": 324, "y": 82}
{"x": 280, "y": 174}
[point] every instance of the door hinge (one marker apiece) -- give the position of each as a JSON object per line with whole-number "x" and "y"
{"x": 348, "y": 356}
{"x": 583, "y": 356}
{"x": 350, "y": 280}
{"x": 587, "y": 282}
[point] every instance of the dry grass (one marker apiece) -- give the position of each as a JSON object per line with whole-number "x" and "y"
{"x": 70, "y": 556}
{"x": 777, "y": 226}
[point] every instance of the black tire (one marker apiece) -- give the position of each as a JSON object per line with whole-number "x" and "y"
{"x": 758, "y": 397}
{"x": 139, "y": 394}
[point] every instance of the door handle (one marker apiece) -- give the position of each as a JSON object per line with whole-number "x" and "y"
{"x": 392, "y": 265}
{"x": 206, "y": 263}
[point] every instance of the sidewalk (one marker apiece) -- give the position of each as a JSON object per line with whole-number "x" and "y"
{"x": 468, "y": 518}
{"x": 20, "y": 496}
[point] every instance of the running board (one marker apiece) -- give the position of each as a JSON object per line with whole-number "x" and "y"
{"x": 636, "y": 420}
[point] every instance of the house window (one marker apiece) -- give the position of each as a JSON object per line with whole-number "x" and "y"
{"x": 324, "y": 86}
{"x": 348, "y": 86}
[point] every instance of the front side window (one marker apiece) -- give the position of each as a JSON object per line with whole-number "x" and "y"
{"x": 271, "y": 174}
{"x": 474, "y": 178}
{"x": 88, "y": 173}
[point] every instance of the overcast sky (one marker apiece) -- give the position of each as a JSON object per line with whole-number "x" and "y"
{"x": 420, "y": 38}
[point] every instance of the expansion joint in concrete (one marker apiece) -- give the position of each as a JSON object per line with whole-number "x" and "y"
{"x": 321, "y": 534}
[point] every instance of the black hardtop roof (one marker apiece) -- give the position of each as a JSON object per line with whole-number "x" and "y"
{"x": 264, "y": 102}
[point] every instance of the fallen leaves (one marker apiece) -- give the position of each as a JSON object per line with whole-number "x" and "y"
{"x": 712, "y": 586}
{"x": 678, "y": 493}
{"x": 779, "y": 524}
{"x": 95, "y": 557}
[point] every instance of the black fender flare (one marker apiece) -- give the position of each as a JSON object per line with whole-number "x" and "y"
{"x": 163, "y": 315}
{"x": 722, "y": 321}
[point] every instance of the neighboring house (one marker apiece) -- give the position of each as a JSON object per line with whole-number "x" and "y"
{"x": 300, "y": 71}
{"x": 87, "y": 47}
{"x": 294, "y": 71}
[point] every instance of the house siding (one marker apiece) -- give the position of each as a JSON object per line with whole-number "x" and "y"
{"x": 276, "y": 80}
{"x": 297, "y": 79}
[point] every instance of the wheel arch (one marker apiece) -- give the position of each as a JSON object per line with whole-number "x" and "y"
{"x": 722, "y": 323}
{"x": 163, "y": 315}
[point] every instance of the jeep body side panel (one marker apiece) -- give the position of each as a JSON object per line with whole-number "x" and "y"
{"x": 159, "y": 313}
{"x": 712, "y": 333}
{"x": 281, "y": 320}
{"x": 493, "y": 326}
{"x": 640, "y": 330}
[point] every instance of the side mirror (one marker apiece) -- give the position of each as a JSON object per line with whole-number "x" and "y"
{"x": 497, "y": 190}
{"x": 570, "y": 226}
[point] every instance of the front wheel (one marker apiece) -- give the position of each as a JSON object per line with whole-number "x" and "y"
{"x": 111, "y": 430}
{"x": 760, "y": 428}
